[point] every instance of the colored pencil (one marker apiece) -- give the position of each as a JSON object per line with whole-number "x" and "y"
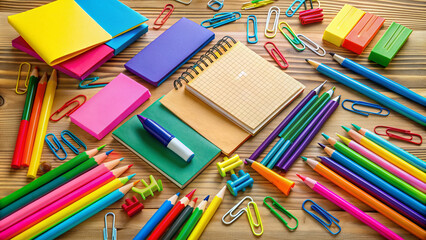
{"x": 31, "y": 220}
{"x": 415, "y": 161}
{"x": 35, "y": 115}
{"x": 308, "y": 133}
{"x": 369, "y": 92}
{"x": 395, "y": 160}
{"x": 23, "y": 126}
{"x": 366, "y": 198}
{"x": 70, "y": 210}
{"x": 207, "y": 216}
{"x": 55, "y": 183}
{"x": 171, "y": 216}
{"x": 180, "y": 220}
{"x": 380, "y": 183}
{"x": 296, "y": 129}
{"x": 376, "y": 170}
{"x": 57, "y": 194}
{"x": 375, "y": 191}
{"x": 193, "y": 219}
{"x": 285, "y": 122}
{"x": 156, "y": 218}
{"x": 49, "y": 176}
{"x": 385, "y": 164}
{"x": 49, "y": 95}
{"x": 379, "y": 79}
{"x": 348, "y": 207}
{"x": 86, "y": 213}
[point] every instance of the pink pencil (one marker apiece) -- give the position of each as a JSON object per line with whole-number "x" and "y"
{"x": 58, "y": 193}
{"x": 61, "y": 203}
{"x": 348, "y": 207}
{"x": 385, "y": 164}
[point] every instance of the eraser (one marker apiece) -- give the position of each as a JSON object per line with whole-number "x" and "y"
{"x": 342, "y": 24}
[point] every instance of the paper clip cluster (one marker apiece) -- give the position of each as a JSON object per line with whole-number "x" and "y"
{"x": 253, "y": 223}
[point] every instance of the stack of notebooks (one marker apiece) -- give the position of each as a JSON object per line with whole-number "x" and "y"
{"x": 77, "y": 36}
{"x": 228, "y": 95}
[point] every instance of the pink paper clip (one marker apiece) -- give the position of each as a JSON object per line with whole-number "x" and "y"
{"x": 170, "y": 9}
{"x": 389, "y": 130}
{"x": 312, "y": 15}
{"x": 274, "y": 51}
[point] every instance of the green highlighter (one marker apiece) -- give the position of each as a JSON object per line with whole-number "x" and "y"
{"x": 390, "y": 43}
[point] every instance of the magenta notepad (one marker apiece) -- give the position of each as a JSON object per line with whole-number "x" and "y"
{"x": 111, "y": 105}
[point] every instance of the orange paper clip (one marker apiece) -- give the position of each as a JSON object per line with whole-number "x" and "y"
{"x": 170, "y": 9}
{"x": 274, "y": 51}
{"x": 390, "y": 132}
{"x": 67, "y": 104}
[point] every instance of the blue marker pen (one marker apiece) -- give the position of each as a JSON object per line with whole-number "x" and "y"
{"x": 166, "y": 138}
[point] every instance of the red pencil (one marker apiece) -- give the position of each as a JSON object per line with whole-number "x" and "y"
{"x": 171, "y": 216}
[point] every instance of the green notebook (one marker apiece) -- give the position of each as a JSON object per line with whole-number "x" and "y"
{"x": 132, "y": 135}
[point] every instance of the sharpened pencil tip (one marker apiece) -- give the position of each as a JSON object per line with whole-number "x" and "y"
{"x": 131, "y": 176}
{"x": 301, "y": 177}
{"x": 346, "y": 128}
{"x": 321, "y": 145}
{"x": 131, "y": 165}
{"x": 325, "y": 136}
{"x": 331, "y": 53}
{"x": 100, "y": 148}
{"x": 178, "y": 194}
{"x": 121, "y": 159}
{"x": 110, "y": 151}
{"x": 304, "y": 158}
{"x": 206, "y": 198}
{"x": 307, "y": 60}
{"x": 356, "y": 127}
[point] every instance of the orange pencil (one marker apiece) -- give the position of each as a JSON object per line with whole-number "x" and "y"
{"x": 35, "y": 115}
{"x": 366, "y": 198}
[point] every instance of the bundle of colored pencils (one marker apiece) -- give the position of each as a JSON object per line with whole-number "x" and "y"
{"x": 64, "y": 193}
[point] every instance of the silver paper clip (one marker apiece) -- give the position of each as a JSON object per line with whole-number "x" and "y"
{"x": 276, "y": 10}
{"x": 211, "y": 4}
{"x": 186, "y": 3}
{"x": 114, "y": 230}
{"x": 379, "y": 108}
{"x": 327, "y": 216}
{"x": 314, "y": 47}
{"x": 253, "y": 224}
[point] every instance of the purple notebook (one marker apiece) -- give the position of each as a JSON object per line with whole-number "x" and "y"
{"x": 173, "y": 48}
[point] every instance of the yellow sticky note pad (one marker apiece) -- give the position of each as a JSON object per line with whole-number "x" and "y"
{"x": 342, "y": 24}
{"x": 59, "y": 30}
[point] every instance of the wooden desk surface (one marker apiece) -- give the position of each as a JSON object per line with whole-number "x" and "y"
{"x": 407, "y": 68}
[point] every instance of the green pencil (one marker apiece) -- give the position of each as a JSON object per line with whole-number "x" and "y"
{"x": 376, "y": 170}
{"x": 193, "y": 220}
{"x": 49, "y": 176}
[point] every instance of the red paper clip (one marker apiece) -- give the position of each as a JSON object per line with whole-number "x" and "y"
{"x": 67, "y": 114}
{"x": 277, "y": 51}
{"x": 169, "y": 7}
{"x": 389, "y": 133}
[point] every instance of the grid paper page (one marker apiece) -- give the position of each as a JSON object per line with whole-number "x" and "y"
{"x": 245, "y": 86}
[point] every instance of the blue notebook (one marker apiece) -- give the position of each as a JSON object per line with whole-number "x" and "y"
{"x": 173, "y": 48}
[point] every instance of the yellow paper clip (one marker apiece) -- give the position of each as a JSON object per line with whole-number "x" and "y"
{"x": 17, "y": 90}
{"x": 186, "y": 3}
{"x": 234, "y": 216}
{"x": 281, "y": 209}
{"x": 274, "y": 29}
{"x": 293, "y": 40}
{"x": 255, "y": 4}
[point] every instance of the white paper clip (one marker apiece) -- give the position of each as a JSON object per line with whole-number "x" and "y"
{"x": 276, "y": 10}
{"x": 314, "y": 47}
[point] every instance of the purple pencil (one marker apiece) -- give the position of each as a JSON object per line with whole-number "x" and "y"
{"x": 302, "y": 141}
{"x": 375, "y": 191}
{"x": 284, "y": 123}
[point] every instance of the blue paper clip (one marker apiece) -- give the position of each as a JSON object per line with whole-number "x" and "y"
{"x": 220, "y": 19}
{"x": 327, "y": 216}
{"x": 249, "y": 37}
{"x": 365, "y": 104}
{"x": 211, "y": 4}
{"x": 91, "y": 84}
{"x": 113, "y": 229}
{"x": 290, "y": 11}
{"x": 293, "y": 41}
{"x": 53, "y": 147}
{"x": 76, "y": 140}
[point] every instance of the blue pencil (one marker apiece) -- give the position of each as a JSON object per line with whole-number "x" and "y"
{"x": 157, "y": 217}
{"x": 86, "y": 213}
{"x": 373, "y": 179}
{"x": 379, "y": 79}
{"x": 369, "y": 92}
{"x": 413, "y": 160}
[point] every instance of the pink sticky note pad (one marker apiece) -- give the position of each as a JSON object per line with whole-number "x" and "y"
{"x": 78, "y": 67}
{"x": 111, "y": 105}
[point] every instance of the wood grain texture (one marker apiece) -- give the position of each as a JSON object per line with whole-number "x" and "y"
{"x": 407, "y": 68}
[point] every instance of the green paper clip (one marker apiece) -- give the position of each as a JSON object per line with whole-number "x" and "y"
{"x": 283, "y": 210}
{"x": 293, "y": 41}
{"x": 155, "y": 185}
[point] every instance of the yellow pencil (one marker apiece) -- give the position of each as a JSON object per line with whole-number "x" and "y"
{"x": 390, "y": 157}
{"x": 42, "y": 124}
{"x": 207, "y": 216}
{"x": 70, "y": 210}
